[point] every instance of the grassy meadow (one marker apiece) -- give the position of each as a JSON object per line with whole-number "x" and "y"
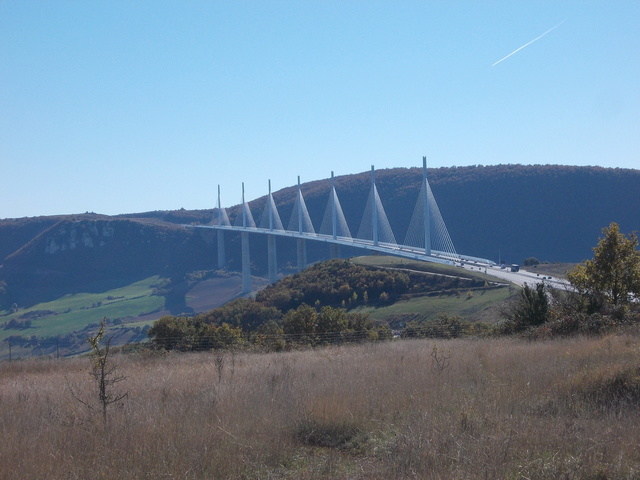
{"x": 387, "y": 261}
{"x": 469, "y": 304}
{"x": 457, "y": 409}
{"x": 478, "y": 304}
{"x": 75, "y": 311}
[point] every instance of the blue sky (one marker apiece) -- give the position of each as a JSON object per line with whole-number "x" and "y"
{"x": 130, "y": 106}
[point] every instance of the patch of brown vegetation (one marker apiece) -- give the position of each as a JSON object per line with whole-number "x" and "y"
{"x": 501, "y": 408}
{"x": 558, "y": 270}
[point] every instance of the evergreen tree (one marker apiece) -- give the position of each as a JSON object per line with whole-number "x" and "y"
{"x": 530, "y": 310}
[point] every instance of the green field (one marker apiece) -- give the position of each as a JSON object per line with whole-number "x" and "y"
{"x": 469, "y": 304}
{"x": 405, "y": 263}
{"x": 74, "y": 312}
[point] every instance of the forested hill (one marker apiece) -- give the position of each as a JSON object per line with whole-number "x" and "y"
{"x": 554, "y": 213}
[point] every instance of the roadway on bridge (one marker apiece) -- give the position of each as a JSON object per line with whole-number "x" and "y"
{"x": 471, "y": 263}
{"x": 519, "y": 278}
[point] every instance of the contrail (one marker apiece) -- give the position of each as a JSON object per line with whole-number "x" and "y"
{"x": 527, "y": 44}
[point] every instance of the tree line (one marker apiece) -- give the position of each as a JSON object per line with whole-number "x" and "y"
{"x": 316, "y": 307}
{"x": 309, "y": 308}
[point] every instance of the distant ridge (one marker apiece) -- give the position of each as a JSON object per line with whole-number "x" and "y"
{"x": 551, "y": 212}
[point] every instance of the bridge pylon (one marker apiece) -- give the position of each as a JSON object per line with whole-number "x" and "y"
{"x": 334, "y": 249}
{"x": 427, "y": 229}
{"x": 301, "y": 222}
{"x": 334, "y": 223}
{"x": 425, "y": 206}
{"x": 247, "y": 220}
{"x": 222, "y": 220}
{"x": 272, "y": 260}
{"x": 375, "y": 224}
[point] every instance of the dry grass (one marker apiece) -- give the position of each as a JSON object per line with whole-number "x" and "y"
{"x": 558, "y": 270}
{"x": 501, "y": 408}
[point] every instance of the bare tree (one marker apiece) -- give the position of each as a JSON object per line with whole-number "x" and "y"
{"x": 440, "y": 359}
{"x": 103, "y": 372}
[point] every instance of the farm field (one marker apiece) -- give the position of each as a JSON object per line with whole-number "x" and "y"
{"x": 128, "y": 307}
{"x": 75, "y": 311}
{"x": 455, "y": 409}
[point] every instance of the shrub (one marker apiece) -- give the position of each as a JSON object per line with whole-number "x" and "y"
{"x": 445, "y": 326}
{"x": 531, "y": 261}
{"x": 343, "y": 435}
{"x": 606, "y": 388}
{"x": 531, "y": 309}
{"x": 572, "y": 324}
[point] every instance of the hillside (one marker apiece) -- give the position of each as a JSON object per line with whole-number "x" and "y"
{"x": 554, "y": 213}
{"x": 551, "y": 212}
{"x": 93, "y": 253}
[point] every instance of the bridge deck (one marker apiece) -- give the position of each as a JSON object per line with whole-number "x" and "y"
{"x": 404, "y": 251}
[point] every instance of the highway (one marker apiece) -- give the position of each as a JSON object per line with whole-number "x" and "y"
{"x": 462, "y": 261}
{"x": 519, "y": 278}
{"x": 405, "y": 251}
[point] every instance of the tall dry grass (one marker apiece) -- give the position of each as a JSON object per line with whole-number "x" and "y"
{"x": 501, "y": 408}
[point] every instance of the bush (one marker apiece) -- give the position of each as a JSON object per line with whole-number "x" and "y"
{"x": 606, "y": 388}
{"x": 332, "y": 434}
{"x": 444, "y": 326}
{"x": 531, "y": 309}
{"x": 575, "y": 324}
{"x": 531, "y": 261}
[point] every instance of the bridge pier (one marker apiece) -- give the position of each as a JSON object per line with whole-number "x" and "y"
{"x": 272, "y": 258}
{"x": 302, "y": 254}
{"x": 334, "y": 250}
{"x": 246, "y": 264}
{"x": 221, "y": 254}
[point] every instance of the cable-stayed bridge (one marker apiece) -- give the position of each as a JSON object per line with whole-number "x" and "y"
{"x": 427, "y": 237}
